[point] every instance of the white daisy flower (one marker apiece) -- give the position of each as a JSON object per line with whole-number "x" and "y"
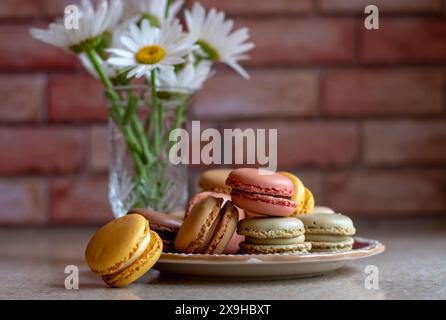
{"x": 154, "y": 10}
{"x": 94, "y": 29}
{"x": 216, "y": 39}
{"x": 189, "y": 78}
{"x": 151, "y": 48}
{"x": 111, "y": 71}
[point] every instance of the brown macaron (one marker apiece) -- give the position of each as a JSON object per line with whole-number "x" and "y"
{"x": 165, "y": 225}
{"x": 208, "y": 228}
{"x": 215, "y": 181}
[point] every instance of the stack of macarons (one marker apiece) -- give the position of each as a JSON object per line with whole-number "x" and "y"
{"x": 270, "y": 201}
{"x": 243, "y": 210}
{"x": 282, "y": 216}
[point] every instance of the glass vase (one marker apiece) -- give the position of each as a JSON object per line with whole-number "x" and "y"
{"x": 140, "y": 173}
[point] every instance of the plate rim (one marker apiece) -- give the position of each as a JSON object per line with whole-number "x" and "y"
{"x": 373, "y": 247}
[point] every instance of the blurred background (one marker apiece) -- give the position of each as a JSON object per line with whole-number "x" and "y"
{"x": 361, "y": 114}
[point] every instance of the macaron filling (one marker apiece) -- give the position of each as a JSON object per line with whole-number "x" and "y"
{"x": 136, "y": 255}
{"x": 298, "y": 248}
{"x": 276, "y": 241}
{"x": 327, "y": 238}
{"x": 264, "y": 204}
{"x": 284, "y": 192}
{"x": 139, "y": 267}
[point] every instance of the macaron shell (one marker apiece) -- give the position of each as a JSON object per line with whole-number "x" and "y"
{"x": 263, "y": 204}
{"x": 197, "y": 230}
{"x": 139, "y": 267}
{"x": 196, "y": 199}
{"x": 215, "y": 181}
{"x": 252, "y": 181}
{"x": 248, "y": 248}
{"x": 299, "y": 189}
{"x": 321, "y": 209}
{"x": 159, "y": 221}
{"x": 271, "y": 228}
{"x": 168, "y": 246}
{"x": 225, "y": 229}
{"x": 233, "y": 246}
{"x": 309, "y": 202}
{"x": 114, "y": 244}
{"x": 328, "y": 224}
{"x": 307, "y": 206}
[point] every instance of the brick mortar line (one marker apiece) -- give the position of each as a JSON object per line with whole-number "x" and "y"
{"x": 397, "y": 169}
{"x": 359, "y": 66}
{"x": 86, "y": 145}
{"x": 444, "y": 82}
{"x": 313, "y": 13}
{"x": 45, "y": 18}
{"x": 358, "y": 41}
{"x": 323, "y": 119}
{"x": 48, "y": 198}
{"x": 45, "y": 100}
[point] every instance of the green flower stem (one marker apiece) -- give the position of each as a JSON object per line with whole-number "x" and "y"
{"x": 156, "y": 114}
{"x": 131, "y": 116}
{"x": 116, "y": 112}
{"x": 166, "y": 15}
{"x": 149, "y": 182}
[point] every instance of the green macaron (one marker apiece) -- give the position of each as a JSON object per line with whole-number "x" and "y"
{"x": 273, "y": 235}
{"x": 329, "y": 232}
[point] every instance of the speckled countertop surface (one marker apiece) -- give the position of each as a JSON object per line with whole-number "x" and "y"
{"x": 32, "y": 264}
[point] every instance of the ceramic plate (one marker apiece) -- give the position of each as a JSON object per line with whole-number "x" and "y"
{"x": 267, "y": 266}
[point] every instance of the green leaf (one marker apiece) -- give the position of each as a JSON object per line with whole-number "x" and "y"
{"x": 131, "y": 108}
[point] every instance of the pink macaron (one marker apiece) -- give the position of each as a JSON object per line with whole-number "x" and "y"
{"x": 233, "y": 245}
{"x": 257, "y": 192}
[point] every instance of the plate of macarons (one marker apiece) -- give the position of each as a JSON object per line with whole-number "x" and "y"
{"x": 249, "y": 224}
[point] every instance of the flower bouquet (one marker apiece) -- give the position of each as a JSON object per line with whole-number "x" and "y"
{"x": 150, "y": 67}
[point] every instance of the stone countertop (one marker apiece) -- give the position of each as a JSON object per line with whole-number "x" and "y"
{"x": 32, "y": 264}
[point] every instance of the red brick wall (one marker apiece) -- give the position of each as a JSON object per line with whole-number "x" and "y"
{"x": 361, "y": 114}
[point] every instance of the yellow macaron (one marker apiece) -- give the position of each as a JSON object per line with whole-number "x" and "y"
{"x": 308, "y": 203}
{"x": 299, "y": 191}
{"x": 123, "y": 250}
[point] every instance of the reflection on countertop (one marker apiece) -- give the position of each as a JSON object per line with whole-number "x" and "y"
{"x": 32, "y": 265}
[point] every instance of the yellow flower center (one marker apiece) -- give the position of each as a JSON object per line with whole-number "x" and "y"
{"x": 150, "y": 55}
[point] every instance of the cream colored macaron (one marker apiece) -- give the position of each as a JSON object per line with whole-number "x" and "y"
{"x": 329, "y": 232}
{"x": 273, "y": 235}
{"x": 321, "y": 209}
